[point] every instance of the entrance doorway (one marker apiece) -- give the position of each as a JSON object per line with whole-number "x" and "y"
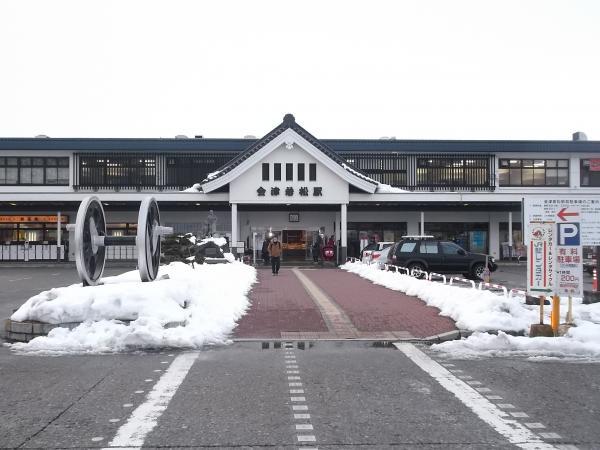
{"x": 295, "y": 246}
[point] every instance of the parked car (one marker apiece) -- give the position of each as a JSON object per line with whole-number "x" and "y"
{"x": 382, "y": 259}
{"x": 372, "y": 251}
{"x": 435, "y": 255}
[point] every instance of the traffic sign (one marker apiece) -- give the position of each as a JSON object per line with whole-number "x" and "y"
{"x": 569, "y": 260}
{"x": 584, "y": 210}
{"x": 540, "y": 260}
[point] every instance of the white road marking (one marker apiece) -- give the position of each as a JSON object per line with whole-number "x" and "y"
{"x": 519, "y": 414}
{"x": 157, "y": 370}
{"x": 506, "y": 405}
{"x": 127, "y": 405}
{"x": 301, "y": 416}
{"x": 296, "y": 391}
{"x": 483, "y": 389}
{"x": 139, "y": 392}
{"x": 474, "y": 382}
{"x": 300, "y": 407}
{"x": 144, "y": 418}
{"x": 304, "y": 426}
{"x": 515, "y": 432}
{"x": 292, "y": 371}
{"x": 535, "y": 425}
{"x": 293, "y": 378}
{"x": 550, "y": 435}
{"x": 306, "y": 438}
{"x": 294, "y": 384}
{"x": 493, "y": 397}
{"x": 298, "y": 399}
{"x": 114, "y": 420}
{"x": 97, "y": 439}
{"x": 148, "y": 380}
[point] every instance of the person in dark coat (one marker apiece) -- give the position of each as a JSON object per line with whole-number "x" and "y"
{"x": 316, "y": 250}
{"x": 265, "y": 252}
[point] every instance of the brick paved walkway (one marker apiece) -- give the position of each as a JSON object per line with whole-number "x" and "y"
{"x": 374, "y": 308}
{"x": 280, "y": 305}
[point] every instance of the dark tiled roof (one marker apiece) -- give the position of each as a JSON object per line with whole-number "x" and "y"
{"x": 288, "y": 122}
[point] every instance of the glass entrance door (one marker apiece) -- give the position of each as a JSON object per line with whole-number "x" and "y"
{"x": 294, "y": 245}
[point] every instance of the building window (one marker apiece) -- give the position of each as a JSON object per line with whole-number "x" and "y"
{"x": 590, "y": 172}
{"x": 312, "y": 172}
{"x": 277, "y": 170}
{"x": 265, "y": 172}
{"x": 289, "y": 172}
{"x": 300, "y": 171}
{"x": 451, "y": 171}
{"x": 34, "y": 171}
{"x": 534, "y": 172}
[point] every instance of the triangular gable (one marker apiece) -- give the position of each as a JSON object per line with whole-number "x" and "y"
{"x": 288, "y": 132}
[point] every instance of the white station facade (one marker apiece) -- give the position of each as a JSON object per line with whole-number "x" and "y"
{"x": 288, "y": 183}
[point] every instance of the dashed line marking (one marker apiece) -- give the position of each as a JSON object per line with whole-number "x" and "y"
{"x": 139, "y": 392}
{"x": 550, "y": 435}
{"x": 519, "y": 414}
{"x": 295, "y": 384}
{"x": 535, "y": 425}
{"x": 298, "y": 399}
{"x": 300, "y": 407}
{"x": 493, "y": 397}
{"x": 113, "y": 420}
{"x": 148, "y": 380}
{"x": 296, "y": 391}
{"x": 301, "y": 416}
{"x": 513, "y": 431}
{"x": 306, "y": 438}
{"x": 505, "y": 405}
{"x": 127, "y": 405}
{"x": 304, "y": 426}
{"x": 293, "y": 378}
{"x": 97, "y": 439}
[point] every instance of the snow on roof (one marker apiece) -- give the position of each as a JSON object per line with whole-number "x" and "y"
{"x": 387, "y": 189}
{"x": 197, "y": 187}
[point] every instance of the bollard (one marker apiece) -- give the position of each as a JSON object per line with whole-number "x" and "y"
{"x": 539, "y": 329}
{"x": 570, "y": 311}
{"x": 555, "y": 318}
{"x": 542, "y": 300}
{"x": 594, "y": 280}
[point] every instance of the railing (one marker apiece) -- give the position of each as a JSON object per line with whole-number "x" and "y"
{"x": 31, "y": 252}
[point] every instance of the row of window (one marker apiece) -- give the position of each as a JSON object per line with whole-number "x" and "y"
{"x": 34, "y": 171}
{"x": 534, "y": 172}
{"x": 289, "y": 172}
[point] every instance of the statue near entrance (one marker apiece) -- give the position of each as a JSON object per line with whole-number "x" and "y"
{"x": 210, "y": 224}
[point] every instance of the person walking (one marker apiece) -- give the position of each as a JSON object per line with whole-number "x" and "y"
{"x": 316, "y": 249}
{"x": 265, "y": 252}
{"x": 275, "y": 254}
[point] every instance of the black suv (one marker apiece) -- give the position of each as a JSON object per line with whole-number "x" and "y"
{"x": 435, "y": 255}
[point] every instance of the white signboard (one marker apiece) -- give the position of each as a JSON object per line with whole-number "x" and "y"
{"x": 581, "y": 209}
{"x": 540, "y": 260}
{"x": 569, "y": 259}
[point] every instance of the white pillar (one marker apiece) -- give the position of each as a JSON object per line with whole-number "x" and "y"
{"x": 344, "y": 232}
{"x": 234, "y": 224}
{"x": 422, "y": 223}
{"x": 58, "y": 236}
{"x": 510, "y": 230}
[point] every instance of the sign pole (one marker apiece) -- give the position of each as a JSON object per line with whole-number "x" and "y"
{"x": 58, "y": 236}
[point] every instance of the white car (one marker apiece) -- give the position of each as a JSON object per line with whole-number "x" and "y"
{"x": 372, "y": 252}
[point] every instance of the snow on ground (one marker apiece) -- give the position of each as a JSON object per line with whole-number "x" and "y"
{"x": 482, "y": 311}
{"x": 207, "y": 299}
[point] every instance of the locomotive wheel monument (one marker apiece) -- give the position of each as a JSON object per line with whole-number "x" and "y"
{"x": 91, "y": 240}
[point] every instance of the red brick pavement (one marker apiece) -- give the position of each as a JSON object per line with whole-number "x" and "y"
{"x": 374, "y": 308}
{"x": 279, "y": 304}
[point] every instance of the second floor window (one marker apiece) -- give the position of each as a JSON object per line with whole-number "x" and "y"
{"x": 277, "y": 171}
{"x": 312, "y": 172}
{"x": 34, "y": 171}
{"x": 534, "y": 172}
{"x": 590, "y": 172}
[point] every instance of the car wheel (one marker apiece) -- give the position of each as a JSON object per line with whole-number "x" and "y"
{"x": 477, "y": 271}
{"x": 416, "y": 266}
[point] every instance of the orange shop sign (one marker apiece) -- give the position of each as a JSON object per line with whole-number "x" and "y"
{"x": 33, "y": 219}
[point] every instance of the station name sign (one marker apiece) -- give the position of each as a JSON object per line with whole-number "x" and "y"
{"x": 289, "y": 191}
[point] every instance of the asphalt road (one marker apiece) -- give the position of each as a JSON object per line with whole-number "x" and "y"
{"x": 327, "y": 395}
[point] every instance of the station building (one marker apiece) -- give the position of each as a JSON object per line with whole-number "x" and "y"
{"x": 287, "y": 183}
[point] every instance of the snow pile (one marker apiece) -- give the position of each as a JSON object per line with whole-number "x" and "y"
{"x": 203, "y": 303}
{"x": 482, "y": 311}
{"x": 471, "y": 309}
{"x": 581, "y": 341}
{"x": 387, "y": 189}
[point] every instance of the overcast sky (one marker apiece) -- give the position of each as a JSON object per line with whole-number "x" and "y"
{"x": 410, "y": 69}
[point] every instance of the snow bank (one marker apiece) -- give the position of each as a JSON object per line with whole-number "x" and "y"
{"x": 471, "y": 309}
{"x": 207, "y": 299}
{"x": 582, "y": 341}
{"x": 482, "y": 311}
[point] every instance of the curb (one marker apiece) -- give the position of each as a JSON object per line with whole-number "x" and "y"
{"x": 30, "y": 329}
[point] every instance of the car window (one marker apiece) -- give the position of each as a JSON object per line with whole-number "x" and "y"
{"x": 428, "y": 247}
{"x": 385, "y": 245}
{"x": 448, "y": 248}
{"x": 407, "y": 247}
{"x": 370, "y": 247}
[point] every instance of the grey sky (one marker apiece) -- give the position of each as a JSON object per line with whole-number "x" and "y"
{"x": 411, "y": 69}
